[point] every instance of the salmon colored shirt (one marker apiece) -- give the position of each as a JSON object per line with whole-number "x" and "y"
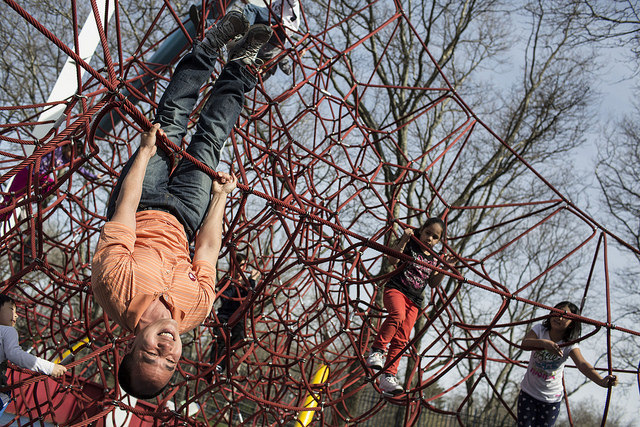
{"x": 133, "y": 268}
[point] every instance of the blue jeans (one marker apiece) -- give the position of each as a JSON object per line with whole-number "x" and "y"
{"x": 259, "y": 15}
{"x": 534, "y": 413}
{"x": 186, "y": 192}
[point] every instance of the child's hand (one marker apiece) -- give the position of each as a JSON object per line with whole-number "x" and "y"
{"x": 449, "y": 258}
{"x": 58, "y": 370}
{"x": 148, "y": 138}
{"x": 225, "y": 183}
{"x": 407, "y": 234}
{"x": 552, "y": 347}
{"x": 255, "y": 274}
{"x": 609, "y": 381}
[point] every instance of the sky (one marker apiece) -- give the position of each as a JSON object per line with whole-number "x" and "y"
{"x": 615, "y": 84}
{"x": 617, "y": 88}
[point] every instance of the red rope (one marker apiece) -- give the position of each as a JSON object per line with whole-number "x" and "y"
{"x": 318, "y": 239}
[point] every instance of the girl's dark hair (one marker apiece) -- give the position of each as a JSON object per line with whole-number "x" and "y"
{"x": 6, "y": 299}
{"x": 575, "y": 327}
{"x": 430, "y": 221}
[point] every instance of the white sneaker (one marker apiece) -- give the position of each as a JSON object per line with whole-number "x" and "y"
{"x": 374, "y": 361}
{"x": 389, "y": 384}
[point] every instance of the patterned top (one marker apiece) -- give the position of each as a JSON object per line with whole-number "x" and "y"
{"x": 131, "y": 269}
{"x": 543, "y": 379}
{"x": 411, "y": 278}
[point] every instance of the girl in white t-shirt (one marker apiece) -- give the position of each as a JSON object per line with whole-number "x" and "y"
{"x": 541, "y": 388}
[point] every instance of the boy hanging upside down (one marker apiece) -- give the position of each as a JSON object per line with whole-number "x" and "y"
{"x": 143, "y": 276}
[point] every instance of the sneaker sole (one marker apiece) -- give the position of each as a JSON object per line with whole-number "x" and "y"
{"x": 258, "y": 32}
{"x": 392, "y": 393}
{"x": 234, "y": 29}
{"x": 237, "y": 16}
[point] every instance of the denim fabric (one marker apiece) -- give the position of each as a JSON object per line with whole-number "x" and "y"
{"x": 259, "y": 15}
{"x": 186, "y": 192}
{"x": 534, "y": 413}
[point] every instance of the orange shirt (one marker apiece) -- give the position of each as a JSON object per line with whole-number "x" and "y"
{"x": 131, "y": 269}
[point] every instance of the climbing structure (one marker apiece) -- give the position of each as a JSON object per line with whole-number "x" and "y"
{"x": 329, "y": 173}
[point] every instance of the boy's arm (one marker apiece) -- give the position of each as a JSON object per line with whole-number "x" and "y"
{"x": 590, "y": 372}
{"x": 129, "y": 197}
{"x": 17, "y": 355}
{"x": 255, "y": 276}
{"x": 532, "y": 342}
{"x": 400, "y": 245}
{"x": 209, "y": 238}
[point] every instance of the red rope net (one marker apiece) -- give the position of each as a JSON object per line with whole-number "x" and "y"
{"x": 323, "y": 190}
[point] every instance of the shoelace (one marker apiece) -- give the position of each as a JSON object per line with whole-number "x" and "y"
{"x": 223, "y": 33}
{"x": 252, "y": 49}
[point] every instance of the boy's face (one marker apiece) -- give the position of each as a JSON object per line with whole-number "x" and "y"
{"x": 8, "y": 315}
{"x": 156, "y": 352}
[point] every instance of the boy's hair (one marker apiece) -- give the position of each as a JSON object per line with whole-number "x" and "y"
{"x": 574, "y": 329}
{"x": 240, "y": 258}
{"x": 6, "y": 299}
{"x": 126, "y": 382}
{"x": 430, "y": 221}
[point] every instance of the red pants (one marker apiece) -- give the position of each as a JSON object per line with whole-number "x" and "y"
{"x": 397, "y": 326}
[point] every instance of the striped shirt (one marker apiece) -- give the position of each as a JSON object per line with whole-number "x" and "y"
{"x": 131, "y": 269}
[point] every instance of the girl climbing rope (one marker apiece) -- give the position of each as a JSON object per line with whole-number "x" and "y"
{"x": 403, "y": 299}
{"x": 541, "y": 388}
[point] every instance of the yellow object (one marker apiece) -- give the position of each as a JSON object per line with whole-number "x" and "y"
{"x": 76, "y": 346}
{"x": 305, "y": 417}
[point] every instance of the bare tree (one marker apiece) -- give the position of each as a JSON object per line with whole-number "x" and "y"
{"x": 617, "y": 24}
{"x": 584, "y": 414}
{"x": 619, "y": 178}
{"x": 539, "y": 117}
{"x": 407, "y": 109}
{"x": 611, "y": 23}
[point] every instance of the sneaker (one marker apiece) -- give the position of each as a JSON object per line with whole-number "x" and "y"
{"x": 389, "y": 384}
{"x": 374, "y": 361}
{"x": 194, "y": 16}
{"x": 237, "y": 417}
{"x": 286, "y": 65}
{"x": 4, "y": 400}
{"x": 231, "y": 25}
{"x": 246, "y": 49}
{"x": 215, "y": 373}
